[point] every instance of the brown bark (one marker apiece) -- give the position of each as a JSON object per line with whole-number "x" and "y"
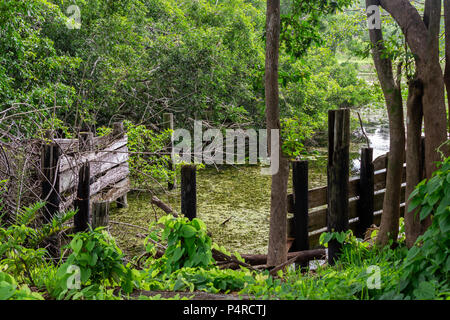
{"x": 414, "y": 159}
{"x": 261, "y": 259}
{"x": 447, "y": 54}
{"x": 422, "y": 37}
{"x": 277, "y": 252}
{"x": 392, "y": 93}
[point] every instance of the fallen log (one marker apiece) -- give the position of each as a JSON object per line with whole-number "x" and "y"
{"x": 301, "y": 257}
{"x": 163, "y": 206}
{"x": 220, "y": 256}
{"x": 261, "y": 259}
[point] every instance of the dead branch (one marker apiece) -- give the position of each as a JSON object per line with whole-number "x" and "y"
{"x": 163, "y": 206}
{"x": 300, "y": 257}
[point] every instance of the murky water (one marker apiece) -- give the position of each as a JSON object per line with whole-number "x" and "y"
{"x": 376, "y": 126}
{"x": 234, "y": 201}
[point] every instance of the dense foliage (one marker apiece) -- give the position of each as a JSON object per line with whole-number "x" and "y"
{"x": 94, "y": 260}
{"x": 200, "y": 59}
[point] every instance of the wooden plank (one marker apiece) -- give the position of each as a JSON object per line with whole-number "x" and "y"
{"x": 68, "y": 162}
{"x": 104, "y": 162}
{"x": 100, "y": 214}
{"x": 67, "y": 145}
{"x": 82, "y": 201}
{"x": 120, "y": 189}
{"x": 380, "y": 162}
{"x": 379, "y": 198}
{"x": 317, "y": 197}
{"x": 113, "y": 176}
{"x": 315, "y": 235}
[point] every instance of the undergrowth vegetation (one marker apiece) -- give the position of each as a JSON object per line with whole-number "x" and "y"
{"x": 179, "y": 257}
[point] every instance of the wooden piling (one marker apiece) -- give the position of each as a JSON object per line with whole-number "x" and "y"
{"x": 189, "y": 191}
{"x": 50, "y": 183}
{"x": 300, "y": 187}
{"x": 119, "y": 132}
{"x": 82, "y": 201}
{"x": 100, "y": 214}
{"x": 366, "y": 193}
{"x": 338, "y": 177}
{"x": 168, "y": 124}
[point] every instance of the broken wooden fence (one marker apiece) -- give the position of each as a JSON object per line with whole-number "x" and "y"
{"x": 101, "y": 163}
{"x": 357, "y": 206}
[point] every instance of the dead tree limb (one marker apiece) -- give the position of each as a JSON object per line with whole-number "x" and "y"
{"x": 163, "y": 206}
{"x": 301, "y": 256}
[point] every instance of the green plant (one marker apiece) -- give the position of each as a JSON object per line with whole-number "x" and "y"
{"x": 188, "y": 244}
{"x": 294, "y": 133}
{"x": 20, "y": 241}
{"x": 427, "y": 265}
{"x": 9, "y": 290}
{"x": 97, "y": 261}
{"x": 148, "y": 163}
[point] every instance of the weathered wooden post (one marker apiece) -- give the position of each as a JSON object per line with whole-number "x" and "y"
{"x": 366, "y": 193}
{"x": 189, "y": 191}
{"x": 82, "y": 201}
{"x": 300, "y": 187}
{"x": 168, "y": 124}
{"x": 338, "y": 176}
{"x": 119, "y": 132}
{"x": 51, "y": 153}
{"x": 100, "y": 214}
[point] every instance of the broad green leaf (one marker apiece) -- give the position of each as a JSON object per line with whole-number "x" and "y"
{"x": 188, "y": 231}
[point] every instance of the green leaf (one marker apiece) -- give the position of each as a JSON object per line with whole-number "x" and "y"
{"x": 340, "y": 237}
{"x": 425, "y": 291}
{"x": 76, "y": 245}
{"x": 85, "y": 274}
{"x": 444, "y": 224}
{"x": 178, "y": 253}
{"x": 447, "y": 265}
{"x": 7, "y": 290}
{"x": 90, "y": 245}
{"x": 425, "y": 212}
{"x": 188, "y": 231}
{"x": 93, "y": 259}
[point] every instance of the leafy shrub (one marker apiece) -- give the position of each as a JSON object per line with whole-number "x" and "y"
{"x": 148, "y": 163}
{"x": 188, "y": 244}
{"x": 19, "y": 242}
{"x": 98, "y": 259}
{"x": 9, "y": 290}
{"x": 427, "y": 265}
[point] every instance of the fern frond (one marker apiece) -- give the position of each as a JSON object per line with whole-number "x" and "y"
{"x": 28, "y": 214}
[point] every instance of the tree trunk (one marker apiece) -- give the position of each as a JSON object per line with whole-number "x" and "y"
{"x": 414, "y": 158}
{"x": 277, "y": 251}
{"x": 423, "y": 39}
{"x": 392, "y": 93}
{"x": 447, "y": 54}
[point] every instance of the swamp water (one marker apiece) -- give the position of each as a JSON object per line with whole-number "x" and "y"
{"x": 234, "y": 201}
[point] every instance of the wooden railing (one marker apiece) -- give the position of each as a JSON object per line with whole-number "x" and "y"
{"x": 107, "y": 157}
{"x": 317, "y": 202}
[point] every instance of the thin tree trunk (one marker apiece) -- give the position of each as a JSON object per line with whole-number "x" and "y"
{"x": 447, "y": 54}
{"x": 392, "y": 93}
{"x": 414, "y": 160}
{"x": 277, "y": 251}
